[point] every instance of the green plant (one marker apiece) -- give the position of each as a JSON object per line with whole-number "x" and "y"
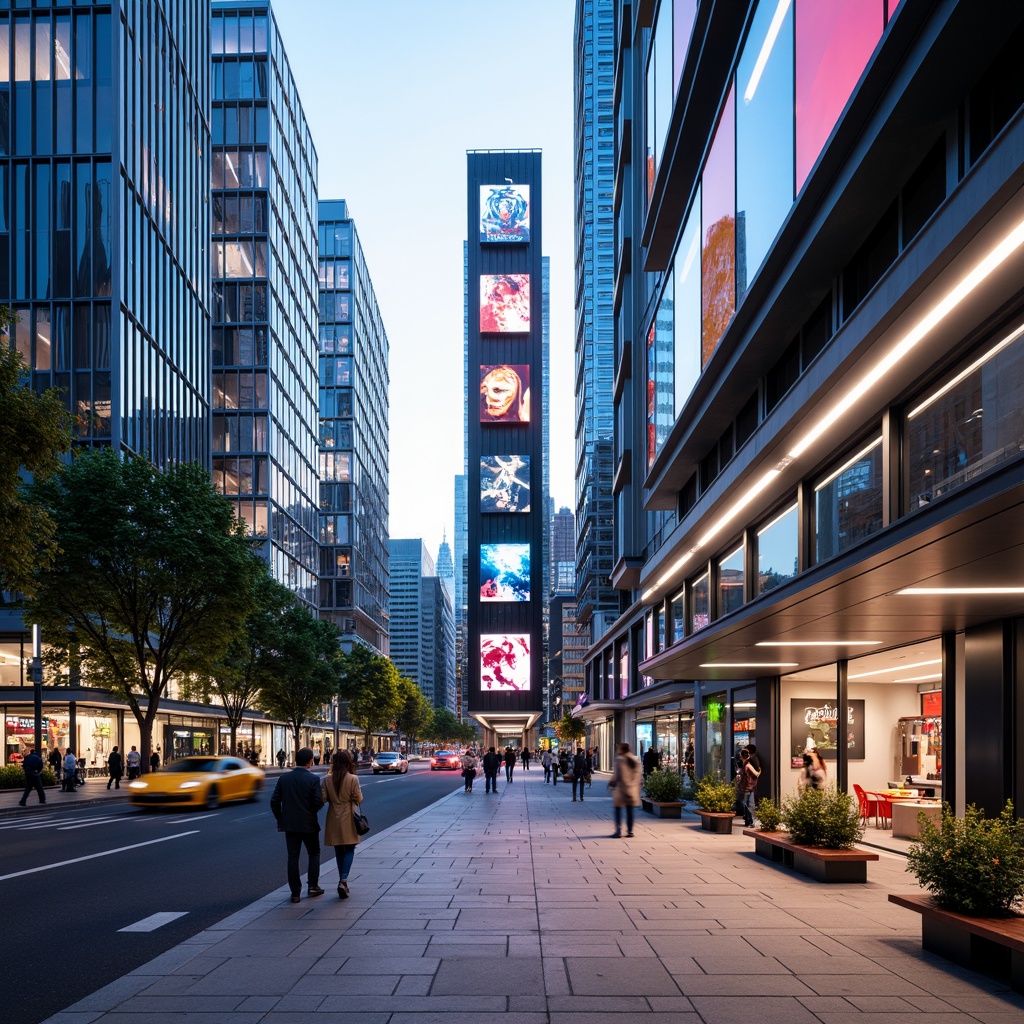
{"x": 823, "y": 817}
{"x": 768, "y": 814}
{"x": 12, "y": 777}
{"x": 664, "y": 787}
{"x": 715, "y": 795}
{"x": 973, "y": 864}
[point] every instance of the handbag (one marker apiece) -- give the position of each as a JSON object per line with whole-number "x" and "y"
{"x": 361, "y": 821}
{"x": 568, "y": 776}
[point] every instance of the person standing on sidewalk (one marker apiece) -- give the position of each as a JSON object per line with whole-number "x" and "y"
{"x": 134, "y": 762}
{"x": 70, "y": 772}
{"x": 526, "y": 759}
{"x": 56, "y": 762}
{"x": 154, "y": 761}
{"x": 492, "y": 762}
{"x": 296, "y": 800}
{"x": 342, "y": 793}
{"x": 579, "y": 773}
{"x": 32, "y": 766}
{"x": 545, "y": 761}
{"x": 468, "y": 770}
{"x": 625, "y": 787}
{"x": 115, "y": 768}
{"x": 510, "y": 763}
{"x": 746, "y": 787}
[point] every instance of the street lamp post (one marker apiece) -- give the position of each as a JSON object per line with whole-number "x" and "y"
{"x": 37, "y": 685}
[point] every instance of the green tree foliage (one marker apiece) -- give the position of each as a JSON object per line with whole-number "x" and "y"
{"x": 570, "y": 730}
{"x": 155, "y": 577}
{"x": 370, "y": 684}
{"x": 299, "y": 673}
{"x": 35, "y": 430}
{"x": 444, "y": 727}
{"x": 414, "y": 711}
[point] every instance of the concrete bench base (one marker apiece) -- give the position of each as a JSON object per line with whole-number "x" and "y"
{"x": 816, "y": 862}
{"x": 662, "y": 808}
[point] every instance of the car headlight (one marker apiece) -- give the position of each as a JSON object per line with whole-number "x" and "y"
{"x": 189, "y": 785}
{"x": 138, "y": 785}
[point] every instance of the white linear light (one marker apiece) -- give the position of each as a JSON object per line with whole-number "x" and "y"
{"x": 846, "y": 465}
{"x": 741, "y": 503}
{"x": 895, "y": 668}
{"x": 818, "y": 643}
{"x": 750, "y": 664}
{"x": 920, "y": 679}
{"x": 766, "y": 49}
{"x": 954, "y": 591}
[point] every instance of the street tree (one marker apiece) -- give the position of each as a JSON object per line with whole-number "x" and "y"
{"x": 569, "y": 730}
{"x": 370, "y": 684}
{"x": 300, "y": 667}
{"x": 414, "y": 710}
{"x": 35, "y": 431}
{"x": 154, "y": 577}
{"x": 444, "y": 727}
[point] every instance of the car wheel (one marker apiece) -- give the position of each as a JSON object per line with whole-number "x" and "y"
{"x": 375, "y": 772}
{"x": 405, "y": 769}
{"x": 212, "y": 799}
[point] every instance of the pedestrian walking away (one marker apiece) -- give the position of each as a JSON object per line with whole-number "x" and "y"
{"x": 134, "y": 762}
{"x": 746, "y": 788}
{"x": 579, "y": 773}
{"x": 154, "y": 761}
{"x": 115, "y": 768}
{"x": 625, "y": 786}
{"x": 468, "y": 770}
{"x": 526, "y": 759}
{"x": 32, "y": 766}
{"x": 341, "y": 792}
{"x": 492, "y": 762}
{"x": 510, "y": 763}
{"x": 546, "y": 761}
{"x": 296, "y": 800}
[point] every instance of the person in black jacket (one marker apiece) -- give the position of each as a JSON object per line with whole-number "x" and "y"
{"x": 579, "y": 773}
{"x": 296, "y": 800}
{"x": 115, "y": 768}
{"x": 510, "y": 763}
{"x": 32, "y": 766}
{"x": 492, "y": 762}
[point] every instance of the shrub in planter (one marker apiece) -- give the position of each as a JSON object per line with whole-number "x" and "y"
{"x": 972, "y": 865}
{"x": 13, "y": 777}
{"x": 823, "y": 817}
{"x": 664, "y": 787}
{"x": 715, "y": 794}
{"x": 768, "y": 814}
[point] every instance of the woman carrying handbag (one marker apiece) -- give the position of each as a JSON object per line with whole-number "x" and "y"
{"x": 342, "y": 796}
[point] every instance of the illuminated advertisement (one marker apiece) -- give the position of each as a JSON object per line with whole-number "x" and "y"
{"x": 505, "y": 213}
{"x": 504, "y": 572}
{"x": 504, "y": 661}
{"x": 504, "y": 483}
{"x": 505, "y": 394}
{"x": 504, "y": 303}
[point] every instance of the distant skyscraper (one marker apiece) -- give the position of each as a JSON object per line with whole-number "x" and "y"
{"x": 264, "y": 268}
{"x": 563, "y": 552}
{"x": 595, "y": 325}
{"x": 446, "y": 565}
{"x": 353, "y": 437}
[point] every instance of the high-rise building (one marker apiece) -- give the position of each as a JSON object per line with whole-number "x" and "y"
{"x": 446, "y": 565}
{"x": 264, "y": 269}
{"x": 459, "y": 541}
{"x": 562, "y": 579}
{"x": 353, "y": 437}
{"x": 594, "y": 142}
{"x": 103, "y": 183}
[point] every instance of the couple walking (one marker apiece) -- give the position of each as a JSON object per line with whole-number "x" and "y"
{"x": 298, "y": 797}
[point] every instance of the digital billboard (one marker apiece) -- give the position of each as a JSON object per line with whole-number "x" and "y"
{"x": 505, "y": 394}
{"x": 504, "y": 572}
{"x": 504, "y": 661}
{"x": 504, "y": 303}
{"x": 504, "y": 483}
{"x": 505, "y": 213}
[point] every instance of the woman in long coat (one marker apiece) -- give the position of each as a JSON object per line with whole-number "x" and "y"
{"x": 625, "y": 786}
{"x": 342, "y": 795}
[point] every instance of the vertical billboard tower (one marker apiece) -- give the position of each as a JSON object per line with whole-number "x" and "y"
{"x": 505, "y": 444}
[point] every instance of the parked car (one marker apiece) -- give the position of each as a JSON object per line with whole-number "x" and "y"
{"x": 389, "y": 761}
{"x": 445, "y": 760}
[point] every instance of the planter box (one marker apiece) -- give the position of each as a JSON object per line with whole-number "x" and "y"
{"x": 993, "y": 945}
{"x": 817, "y": 862}
{"x": 662, "y": 808}
{"x": 717, "y": 821}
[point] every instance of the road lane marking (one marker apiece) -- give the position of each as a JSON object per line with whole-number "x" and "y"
{"x": 154, "y": 921}
{"x": 55, "y": 823}
{"x": 93, "y": 856}
{"x": 179, "y": 821}
{"x": 89, "y": 824}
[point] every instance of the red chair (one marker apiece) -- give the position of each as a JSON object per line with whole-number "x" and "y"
{"x": 870, "y": 804}
{"x": 884, "y": 804}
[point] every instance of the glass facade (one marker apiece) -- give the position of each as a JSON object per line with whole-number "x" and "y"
{"x": 353, "y": 437}
{"x": 263, "y": 263}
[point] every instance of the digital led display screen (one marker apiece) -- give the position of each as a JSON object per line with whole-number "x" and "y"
{"x": 504, "y": 661}
{"x": 504, "y": 303}
{"x": 504, "y": 483}
{"x": 505, "y": 213}
{"x": 505, "y": 394}
{"x": 504, "y": 572}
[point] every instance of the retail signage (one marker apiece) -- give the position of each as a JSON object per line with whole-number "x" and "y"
{"x": 818, "y": 724}
{"x": 931, "y": 704}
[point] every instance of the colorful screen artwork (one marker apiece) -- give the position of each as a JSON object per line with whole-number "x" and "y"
{"x": 504, "y": 661}
{"x": 504, "y": 213}
{"x": 505, "y": 394}
{"x": 504, "y": 303}
{"x": 504, "y": 483}
{"x": 504, "y": 572}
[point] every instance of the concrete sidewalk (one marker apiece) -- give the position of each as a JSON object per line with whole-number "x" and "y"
{"x": 520, "y": 904}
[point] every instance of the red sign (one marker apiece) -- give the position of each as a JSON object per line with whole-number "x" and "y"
{"x": 931, "y": 704}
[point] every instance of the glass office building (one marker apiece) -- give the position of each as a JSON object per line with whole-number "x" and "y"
{"x": 263, "y": 262}
{"x": 353, "y": 438}
{"x": 103, "y": 178}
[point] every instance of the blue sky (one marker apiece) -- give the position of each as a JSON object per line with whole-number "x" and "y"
{"x": 399, "y": 84}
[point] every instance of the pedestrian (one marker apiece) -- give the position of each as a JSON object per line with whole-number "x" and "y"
{"x": 154, "y": 761}
{"x": 280, "y": 758}
{"x": 579, "y": 773}
{"x": 341, "y": 791}
{"x": 56, "y": 762}
{"x": 134, "y": 763}
{"x": 510, "y": 763}
{"x": 32, "y": 766}
{"x": 625, "y": 786}
{"x": 591, "y": 756}
{"x": 546, "y": 760}
{"x": 297, "y": 798}
{"x": 492, "y": 762}
{"x": 754, "y": 759}
{"x": 115, "y": 768}
{"x": 468, "y": 770}
{"x": 562, "y": 766}
{"x": 651, "y": 761}
{"x": 746, "y": 788}
{"x": 814, "y": 774}
{"x": 526, "y": 759}
{"x": 70, "y": 771}
{"x": 594, "y": 762}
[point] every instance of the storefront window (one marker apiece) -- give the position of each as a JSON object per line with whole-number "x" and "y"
{"x": 744, "y": 721}
{"x": 714, "y": 735}
{"x": 96, "y": 736}
{"x": 687, "y": 319}
{"x": 848, "y": 504}
{"x": 12, "y": 671}
{"x": 731, "y": 581}
{"x": 777, "y": 552}
{"x": 678, "y": 619}
{"x": 699, "y": 603}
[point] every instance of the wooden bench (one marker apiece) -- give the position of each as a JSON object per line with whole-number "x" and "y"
{"x": 817, "y": 862}
{"x": 992, "y": 945}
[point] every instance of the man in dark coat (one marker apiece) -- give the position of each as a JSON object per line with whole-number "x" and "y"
{"x": 296, "y": 800}
{"x": 510, "y": 763}
{"x": 32, "y": 766}
{"x": 115, "y": 768}
{"x": 492, "y": 762}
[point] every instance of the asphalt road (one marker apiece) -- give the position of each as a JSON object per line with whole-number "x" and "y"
{"x": 63, "y": 936}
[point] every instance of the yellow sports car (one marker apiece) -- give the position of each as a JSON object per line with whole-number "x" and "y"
{"x": 198, "y": 782}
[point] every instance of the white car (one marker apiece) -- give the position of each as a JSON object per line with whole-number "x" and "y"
{"x": 389, "y": 761}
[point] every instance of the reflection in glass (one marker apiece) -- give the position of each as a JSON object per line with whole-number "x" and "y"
{"x": 660, "y": 406}
{"x": 686, "y": 361}
{"x": 848, "y": 503}
{"x": 700, "y": 609}
{"x": 731, "y": 581}
{"x": 777, "y": 551}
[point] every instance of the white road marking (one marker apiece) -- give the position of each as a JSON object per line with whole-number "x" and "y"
{"x": 93, "y": 856}
{"x": 154, "y": 921}
{"x": 55, "y": 822}
{"x": 179, "y": 821}
{"x": 89, "y": 824}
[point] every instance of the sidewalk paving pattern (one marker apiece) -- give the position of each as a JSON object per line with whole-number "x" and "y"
{"x": 520, "y": 904}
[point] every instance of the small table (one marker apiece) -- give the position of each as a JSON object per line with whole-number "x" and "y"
{"x": 904, "y": 817}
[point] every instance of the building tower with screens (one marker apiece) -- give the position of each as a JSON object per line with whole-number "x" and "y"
{"x": 353, "y": 438}
{"x": 506, "y": 388}
{"x": 264, "y": 267}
